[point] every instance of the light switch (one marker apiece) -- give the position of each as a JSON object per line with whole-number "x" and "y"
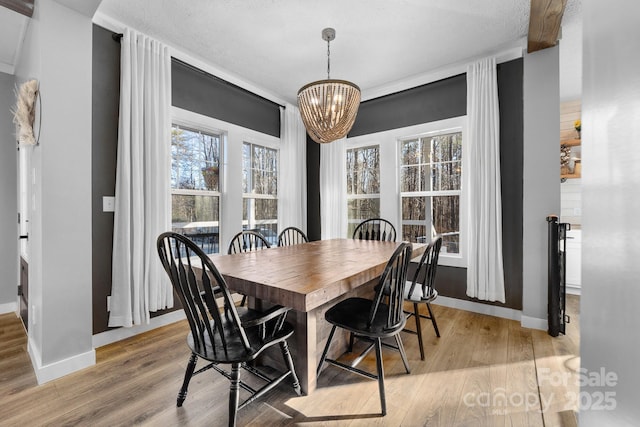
{"x": 108, "y": 204}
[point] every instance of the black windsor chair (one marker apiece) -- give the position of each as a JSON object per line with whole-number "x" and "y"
{"x": 292, "y": 236}
{"x": 375, "y": 229}
{"x": 374, "y": 319}
{"x": 221, "y": 333}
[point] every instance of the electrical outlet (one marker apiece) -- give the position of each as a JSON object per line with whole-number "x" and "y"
{"x": 108, "y": 302}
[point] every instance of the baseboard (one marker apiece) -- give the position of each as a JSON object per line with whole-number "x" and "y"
{"x": 493, "y": 310}
{"x": 51, "y": 371}
{"x": 573, "y": 289}
{"x": 119, "y": 334}
{"x": 8, "y": 308}
{"x": 476, "y": 307}
{"x": 534, "y": 323}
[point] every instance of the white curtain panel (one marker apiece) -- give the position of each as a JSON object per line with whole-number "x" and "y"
{"x": 485, "y": 276}
{"x": 142, "y": 210}
{"x": 333, "y": 172}
{"x": 292, "y": 185}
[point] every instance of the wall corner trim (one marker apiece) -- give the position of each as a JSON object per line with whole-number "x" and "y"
{"x": 52, "y": 371}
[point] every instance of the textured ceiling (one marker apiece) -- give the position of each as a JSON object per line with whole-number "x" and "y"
{"x": 276, "y": 45}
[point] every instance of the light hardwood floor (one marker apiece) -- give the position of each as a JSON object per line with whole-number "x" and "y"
{"x": 483, "y": 371}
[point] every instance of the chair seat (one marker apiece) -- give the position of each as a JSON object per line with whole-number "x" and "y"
{"x": 352, "y": 314}
{"x": 235, "y": 351}
{"x": 417, "y": 295}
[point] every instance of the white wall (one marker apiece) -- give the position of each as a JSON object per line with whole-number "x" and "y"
{"x": 609, "y": 313}
{"x": 57, "y": 51}
{"x": 541, "y": 177}
{"x": 8, "y": 195}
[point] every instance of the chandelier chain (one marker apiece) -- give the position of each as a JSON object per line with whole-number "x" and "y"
{"x": 328, "y": 59}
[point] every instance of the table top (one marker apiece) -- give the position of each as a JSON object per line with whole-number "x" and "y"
{"x": 308, "y": 275}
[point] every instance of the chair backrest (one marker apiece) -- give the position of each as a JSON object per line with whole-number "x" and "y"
{"x": 425, "y": 274}
{"x": 391, "y": 286}
{"x": 292, "y": 236}
{"x": 197, "y": 282}
{"x": 375, "y": 229}
{"x": 247, "y": 241}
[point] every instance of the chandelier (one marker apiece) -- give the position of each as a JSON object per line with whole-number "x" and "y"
{"x": 328, "y": 107}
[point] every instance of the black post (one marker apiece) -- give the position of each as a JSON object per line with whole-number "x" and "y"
{"x": 554, "y": 313}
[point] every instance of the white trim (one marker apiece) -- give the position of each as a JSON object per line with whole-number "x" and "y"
{"x": 51, "y": 371}
{"x": 503, "y": 54}
{"x": 7, "y": 68}
{"x": 119, "y": 334}
{"x": 9, "y": 307}
{"x": 574, "y": 289}
{"x": 534, "y": 323}
{"x": 476, "y": 307}
{"x": 493, "y": 310}
{"x": 192, "y": 59}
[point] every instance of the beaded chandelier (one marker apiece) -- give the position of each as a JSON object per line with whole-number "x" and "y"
{"x": 328, "y": 107}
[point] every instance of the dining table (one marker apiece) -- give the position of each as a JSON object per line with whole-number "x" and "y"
{"x": 309, "y": 278}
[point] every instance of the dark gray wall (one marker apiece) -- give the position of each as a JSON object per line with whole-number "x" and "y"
{"x": 441, "y": 100}
{"x": 8, "y": 194}
{"x": 105, "y": 100}
{"x": 193, "y": 90}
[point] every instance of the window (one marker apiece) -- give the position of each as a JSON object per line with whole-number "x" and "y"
{"x": 363, "y": 185}
{"x": 260, "y": 190}
{"x": 195, "y": 186}
{"x": 430, "y": 188}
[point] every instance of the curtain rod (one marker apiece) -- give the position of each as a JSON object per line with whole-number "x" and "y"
{"x": 118, "y": 37}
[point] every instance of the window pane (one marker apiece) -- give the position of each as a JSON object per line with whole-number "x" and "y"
{"x": 197, "y": 218}
{"x": 446, "y": 147}
{"x": 446, "y": 221}
{"x": 363, "y": 170}
{"x": 259, "y": 169}
{"x": 195, "y": 159}
{"x": 261, "y": 215}
{"x": 424, "y": 217}
{"x": 411, "y": 178}
{"x": 360, "y": 209}
{"x": 411, "y": 152}
{"x": 415, "y": 233}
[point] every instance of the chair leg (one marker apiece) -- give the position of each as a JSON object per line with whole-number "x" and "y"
{"x": 418, "y": 329}
{"x": 289, "y": 362}
{"x": 433, "y": 320}
{"x": 326, "y": 349}
{"x": 191, "y": 366}
{"x": 234, "y": 393}
{"x": 403, "y": 354}
{"x": 383, "y": 401}
{"x": 351, "y": 340}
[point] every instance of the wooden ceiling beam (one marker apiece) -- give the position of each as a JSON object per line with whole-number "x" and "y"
{"x": 24, "y": 7}
{"x": 544, "y": 23}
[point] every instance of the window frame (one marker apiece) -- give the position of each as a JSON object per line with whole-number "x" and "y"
{"x": 201, "y": 126}
{"x": 390, "y": 195}
{"x": 446, "y": 258}
{"x": 349, "y": 197}
{"x": 247, "y": 196}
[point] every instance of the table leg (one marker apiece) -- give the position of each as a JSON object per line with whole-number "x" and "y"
{"x": 306, "y": 340}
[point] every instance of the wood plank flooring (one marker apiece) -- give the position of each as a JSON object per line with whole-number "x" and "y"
{"x": 483, "y": 371}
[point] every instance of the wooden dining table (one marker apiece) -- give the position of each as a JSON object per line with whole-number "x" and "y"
{"x": 309, "y": 278}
